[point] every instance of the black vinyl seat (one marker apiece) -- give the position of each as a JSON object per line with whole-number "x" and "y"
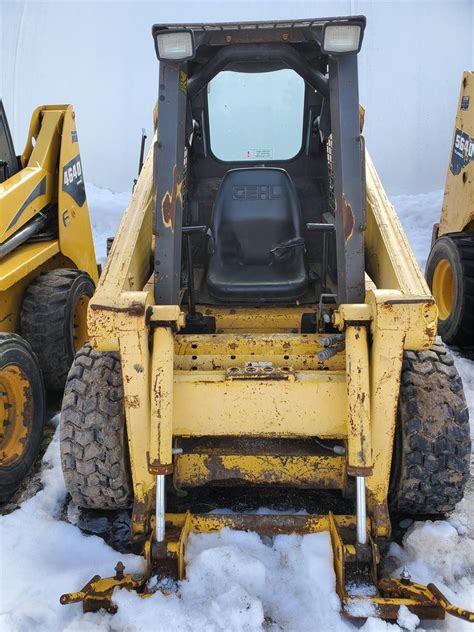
{"x": 257, "y": 250}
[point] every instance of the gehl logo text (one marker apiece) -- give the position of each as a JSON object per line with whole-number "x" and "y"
{"x": 256, "y": 192}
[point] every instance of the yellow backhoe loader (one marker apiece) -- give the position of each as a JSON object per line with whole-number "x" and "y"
{"x": 262, "y": 323}
{"x": 47, "y": 277}
{"x": 450, "y": 266}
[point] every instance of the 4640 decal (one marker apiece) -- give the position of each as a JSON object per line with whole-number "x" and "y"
{"x": 463, "y": 151}
{"x": 73, "y": 181}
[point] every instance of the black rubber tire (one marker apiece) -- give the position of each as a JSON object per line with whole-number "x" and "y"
{"x": 94, "y": 451}
{"x": 430, "y": 465}
{"x": 16, "y": 352}
{"x": 47, "y": 320}
{"x": 458, "y": 249}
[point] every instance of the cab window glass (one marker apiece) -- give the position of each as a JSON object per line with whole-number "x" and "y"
{"x": 256, "y": 116}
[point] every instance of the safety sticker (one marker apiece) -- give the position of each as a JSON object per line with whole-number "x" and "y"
{"x": 257, "y": 154}
{"x": 465, "y": 103}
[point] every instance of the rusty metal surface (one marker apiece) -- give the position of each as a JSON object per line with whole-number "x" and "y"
{"x": 255, "y": 372}
{"x": 429, "y": 594}
{"x": 302, "y": 471}
{"x": 97, "y": 593}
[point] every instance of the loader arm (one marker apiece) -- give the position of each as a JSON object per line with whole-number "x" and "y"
{"x": 50, "y": 187}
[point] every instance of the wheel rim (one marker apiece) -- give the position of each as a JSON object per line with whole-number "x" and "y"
{"x": 443, "y": 288}
{"x": 16, "y": 401}
{"x": 79, "y": 327}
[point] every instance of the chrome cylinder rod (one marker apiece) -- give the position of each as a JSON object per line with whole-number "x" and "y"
{"x": 361, "y": 511}
{"x": 34, "y": 226}
{"x": 160, "y": 508}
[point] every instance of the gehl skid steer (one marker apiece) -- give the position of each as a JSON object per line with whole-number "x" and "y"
{"x": 261, "y": 321}
{"x": 450, "y": 266}
{"x": 48, "y": 274}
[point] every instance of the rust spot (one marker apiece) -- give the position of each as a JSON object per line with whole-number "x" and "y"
{"x": 157, "y": 468}
{"x": 430, "y": 332}
{"x": 409, "y": 301}
{"x": 134, "y": 309}
{"x": 132, "y": 401}
{"x": 347, "y": 219}
{"x": 169, "y": 201}
{"x": 353, "y": 470}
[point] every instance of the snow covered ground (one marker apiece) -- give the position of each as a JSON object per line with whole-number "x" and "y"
{"x": 236, "y": 582}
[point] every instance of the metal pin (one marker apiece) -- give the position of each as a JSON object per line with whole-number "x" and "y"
{"x": 160, "y": 508}
{"x": 361, "y": 511}
{"x": 405, "y": 575}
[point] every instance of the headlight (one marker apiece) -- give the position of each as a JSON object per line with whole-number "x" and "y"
{"x": 342, "y": 38}
{"x": 174, "y": 45}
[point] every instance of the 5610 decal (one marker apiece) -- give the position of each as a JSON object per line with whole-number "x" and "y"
{"x": 463, "y": 151}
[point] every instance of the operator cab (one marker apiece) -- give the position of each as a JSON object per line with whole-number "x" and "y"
{"x": 257, "y": 175}
{"x": 8, "y": 161}
{"x": 250, "y": 126}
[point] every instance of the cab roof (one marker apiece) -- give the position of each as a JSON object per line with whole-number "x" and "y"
{"x": 289, "y": 31}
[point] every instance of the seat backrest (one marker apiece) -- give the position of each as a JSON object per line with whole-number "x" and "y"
{"x": 255, "y": 210}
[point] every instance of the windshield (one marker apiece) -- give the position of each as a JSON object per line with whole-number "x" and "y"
{"x": 256, "y": 116}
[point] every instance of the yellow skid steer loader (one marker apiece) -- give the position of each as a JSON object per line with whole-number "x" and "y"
{"x": 262, "y": 323}
{"x": 47, "y": 277}
{"x": 450, "y": 266}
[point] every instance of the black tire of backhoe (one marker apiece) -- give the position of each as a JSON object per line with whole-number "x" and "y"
{"x": 93, "y": 443}
{"x": 430, "y": 465}
{"x": 14, "y": 351}
{"x": 46, "y": 320}
{"x": 458, "y": 249}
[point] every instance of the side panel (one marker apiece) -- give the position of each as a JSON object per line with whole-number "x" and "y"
{"x": 75, "y": 234}
{"x": 313, "y": 404}
{"x": 458, "y": 203}
{"x": 390, "y": 261}
{"x": 22, "y": 266}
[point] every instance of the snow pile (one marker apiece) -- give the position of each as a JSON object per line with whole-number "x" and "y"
{"x": 237, "y": 582}
{"x": 418, "y": 213}
{"x": 106, "y": 210}
{"x": 41, "y": 557}
{"x": 440, "y": 553}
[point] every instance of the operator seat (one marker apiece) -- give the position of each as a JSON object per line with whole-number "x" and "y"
{"x": 257, "y": 249}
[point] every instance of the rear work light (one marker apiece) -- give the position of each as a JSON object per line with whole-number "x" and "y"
{"x": 342, "y": 38}
{"x": 175, "y": 45}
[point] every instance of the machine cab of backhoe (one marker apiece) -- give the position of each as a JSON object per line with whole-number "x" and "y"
{"x": 247, "y": 139}
{"x": 261, "y": 294}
